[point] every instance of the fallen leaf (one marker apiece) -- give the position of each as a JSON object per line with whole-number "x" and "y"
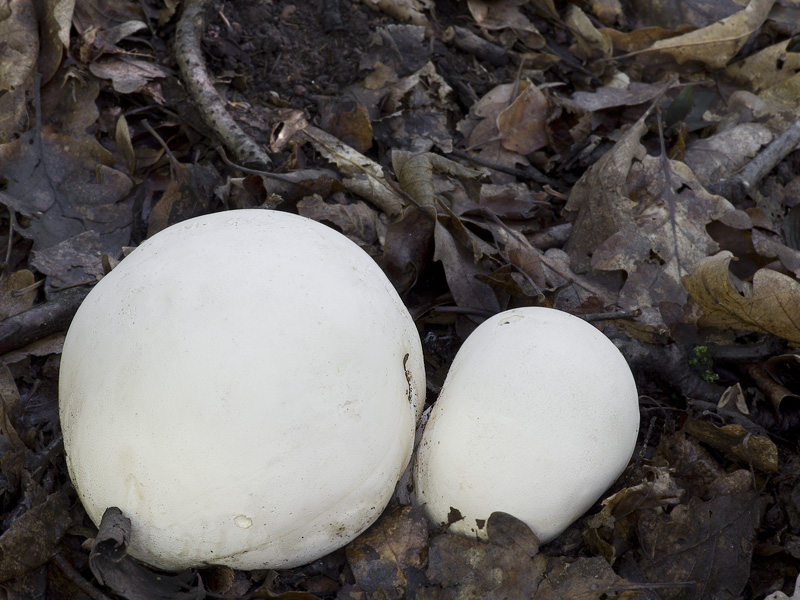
{"x": 600, "y": 197}
{"x": 357, "y": 221}
{"x": 506, "y": 14}
{"x": 735, "y": 441}
{"x": 460, "y": 252}
{"x": 18, "y": 56}
{"x": 716, "y": 44}
{"x": 127, "y": 75}
{"x": 584, "y": 579}
{"x": 590, "y": 43}
{"x": 693, "y": 14}
{"x": 523, "y": 125}
{"x": 405, "y": 11}
{"x": 31, "y": 539}
{"x": 12, "y": 300}
{"x": 611, "y": 97}
{"x": 390, "y": 556}
{"x": 112, "y": 567}
{"x": 772, "y": 307}
{"x": 415, "y": 173}
{"x": 64, "y": 185}
{"x": 706, "y": 545}
{"x": 408, "y": 246}
{"x": 725, "y": 153}
{"x": 75, "y": 261}
{"x": 364, "y": 176}
{"x": 465, "y": 569}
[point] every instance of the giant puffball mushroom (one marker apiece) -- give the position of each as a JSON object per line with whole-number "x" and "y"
{"x": 537, "y": 417}
{"x": 244, "y": 386}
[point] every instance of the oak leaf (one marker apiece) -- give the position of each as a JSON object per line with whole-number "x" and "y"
{"x": 772, "y": 307}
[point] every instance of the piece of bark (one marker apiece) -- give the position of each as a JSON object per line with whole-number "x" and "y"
{"x": 44, "y": 319}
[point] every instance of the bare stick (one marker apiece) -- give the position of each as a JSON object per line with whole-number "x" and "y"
{"x": 736, "y": 188}
{"x": 209, "y": 103}
{"x": 75, "y": 577}
{"x": 44, "y": 319}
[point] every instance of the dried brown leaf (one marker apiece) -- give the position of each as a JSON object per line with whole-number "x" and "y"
{"x": 352, "y": 125}
{"x": 773, "y": 307}
{"x": 31, "y": 539}
{"x": 591, "y": 43}
{"x": 506, "y": 14}
{"x": 469, "y": 569}
{"x": 188, "y": 195}
{"x": 112, "y": 566}
{"x": 357, "y": 221}
{"x": 461, "y": 266}
{"x": 706, "y": 545}
{"x": 723, "y": 154}
{"x": 584, "y": 579}
{"x": 610, "y": 97}
{"x": 18, "y": 55}
{"x": 523, "y": 125}
{"x": 408, "y": 246}
{"x": 415, "y": 173}
{"x": 405, "y": 11}
{"x": 66, "y": 185}
{"x": 366, "y": 177}
{"x": 127, "y": 75}
{"x": 75, "y": 261}
{"x": 600, "y": 198}
{"x": 767, "y": 68}
{"x": 12, "y": 299}
{"x": 716, "y": 44}
{"x": 734, "y": 440}
{"x": 388, "y": 557}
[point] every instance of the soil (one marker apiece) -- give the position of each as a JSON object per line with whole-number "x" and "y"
{"x": 306, "y": 52}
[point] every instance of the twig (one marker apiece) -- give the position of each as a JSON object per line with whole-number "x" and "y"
{"x": 529, "y": 173}
{"x": 466, "y": 310}
{"x": 608, "y": 316}
{"x": 210, "y": 104}
{"x": 79, "y": 580}
{"x": 17, "y": 331}
{"x": 735, "y": 189}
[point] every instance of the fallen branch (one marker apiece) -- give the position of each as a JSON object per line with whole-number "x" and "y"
{"x": 736, "y": 188}
{"x": 212, "y": 107}
{"x": 54, "y": 316}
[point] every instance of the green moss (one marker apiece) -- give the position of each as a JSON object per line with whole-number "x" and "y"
{"x": 703, "y": 361}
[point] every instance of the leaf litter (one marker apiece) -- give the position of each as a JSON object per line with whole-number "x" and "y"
{"x": 488, "y": 155}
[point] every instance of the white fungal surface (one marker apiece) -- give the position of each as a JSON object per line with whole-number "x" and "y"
{"x": 538, "y": 416}
{"x": 244, "y": 387}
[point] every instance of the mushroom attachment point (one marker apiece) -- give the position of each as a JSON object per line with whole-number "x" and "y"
{"x": 538, "y": 416}
{"x": 244, "y": 386}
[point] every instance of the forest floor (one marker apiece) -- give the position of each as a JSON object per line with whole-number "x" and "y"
{"x": 630, "y": 162}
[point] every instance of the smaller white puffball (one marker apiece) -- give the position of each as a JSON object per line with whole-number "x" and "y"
{"x": 244, "y": 387}
{"x": 538, "y": 416}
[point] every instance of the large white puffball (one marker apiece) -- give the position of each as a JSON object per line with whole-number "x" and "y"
{"x": 244, "y": 387}
{"x": 538, "y": 416}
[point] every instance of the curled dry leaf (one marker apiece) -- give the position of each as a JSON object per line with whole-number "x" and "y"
{"x": 703, "y": 548}
{"x": 590, "y": 43}
{"x": 366, "y": 177}
{"x": 18, "y": 53}
{"x": 415, "y": 173}
{"x": 506, "y": 14}
{"x": 113, "y": 568}
{"x": 718, "y": 43}
{"x": 725, "y": 153}
{"x": 773, "y": 306}
{"x": 405, "y": 11}
{"x": 388, "y": 557}
{"x": 760, "y": 453}
{"x": 523, "y": 125}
